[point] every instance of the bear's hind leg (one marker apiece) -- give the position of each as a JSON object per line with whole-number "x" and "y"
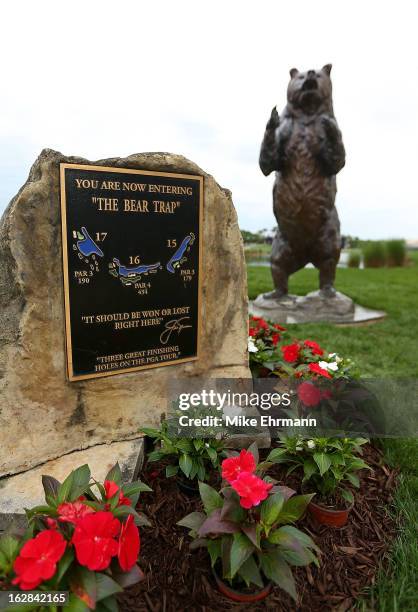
{"x": 327, "y": 268}
{"x": 283, "y": 264}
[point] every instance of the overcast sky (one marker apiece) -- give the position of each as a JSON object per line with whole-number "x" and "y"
{"x": 104, "y": 78}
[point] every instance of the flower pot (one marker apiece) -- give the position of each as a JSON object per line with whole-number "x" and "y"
{"x": 189, "y": 487}
{"x": 241, "y": 596}
{"x": 327, "y": 516}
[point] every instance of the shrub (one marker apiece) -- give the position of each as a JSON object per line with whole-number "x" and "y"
{"x": 327, "y": 463}
{"x": 193, "y": 457}
{"x": 396, "y": 252}
{"x": 248, "y": 529}
{"x": 84, "y": 540}
{"x": 354, "y": 259}
{"x": 374, "y": 254}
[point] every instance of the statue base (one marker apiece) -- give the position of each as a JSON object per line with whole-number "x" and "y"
{"x": 313, "y": 307}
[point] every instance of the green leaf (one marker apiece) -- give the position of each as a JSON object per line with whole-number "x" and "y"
{"x": 354, "y": 479}
{"x": 63, "y": 565}
{"x": 358, "y": 464}
{"x": 278, "y": 455}
{"x": 271, "y": 508}
{"x": 309, "y": 468}
{"x": 76, "y": 605}
{"x": 51, "y": 486}
{"x": 193, "y": 521}
{"x": 253, "y": 449}
{"x": 215, "y": 550}
{"x": 277, "y": 570}
{"x": 127, "y": 579}
{"x": 226, "y": 544}
{"x": 171, "y": 470}
{"x": 232, "y": 510}
{"x": 109, "y": 604}
{"x": 294, "y": 508}
{"x": 9, "y": 546}
{"x": 322, "y": 461}
{"x": 142, "y": 520}
{"x": 106, "y": 586}
{"x": 133, "y": 488}
{"x": 250, "y": 573}
{"x": 347, "y": 495}
{"x": 80, "y": 482}
{"x": 215, "y": 525}
{"x": 241, "y": 549}
{"x": 186, "y": 464}
{"x": 303, "y": 537}
{"x": 65, "y": 489}
{"x": 210, "y": 498}
{"x": 83, "y": 583}
{"x": 151, "y": 432}
{"x": 156, "y": 455}
{"x": 252, "y": 533}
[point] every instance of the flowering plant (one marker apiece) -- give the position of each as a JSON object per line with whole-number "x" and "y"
{"x": 263, "y": 344}
{"x": 328, "y": 464}
{"x": 84, "y": 540}
{"x": 247, "y": 526}
{"x": 192, "y": 457}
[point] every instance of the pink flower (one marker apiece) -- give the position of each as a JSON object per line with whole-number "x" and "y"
{"x": 309, "y": 394}
{"x": 251, "y": 489}
{"x": 233, "y": 466}
{"x": 72, "y": 512}
{"x": 316, "y": 369}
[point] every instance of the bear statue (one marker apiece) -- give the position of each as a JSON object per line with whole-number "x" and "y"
{"x": 304, "y": 147}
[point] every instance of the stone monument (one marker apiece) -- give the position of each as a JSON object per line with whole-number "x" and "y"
{"x": 115, "y": 275}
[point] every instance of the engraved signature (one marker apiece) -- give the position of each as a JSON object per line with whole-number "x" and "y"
{"x": 172, "y": 326}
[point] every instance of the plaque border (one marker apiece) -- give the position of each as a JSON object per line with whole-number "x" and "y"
{"x": 64, "y": 245}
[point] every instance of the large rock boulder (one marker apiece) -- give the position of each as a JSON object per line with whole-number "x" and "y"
{"x": 42, "y": 415}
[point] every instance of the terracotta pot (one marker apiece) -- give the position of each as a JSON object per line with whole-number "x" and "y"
{"x": 327, "y": 516}
{"x": 189, "y": 487}
{"x": 239, "y": 596}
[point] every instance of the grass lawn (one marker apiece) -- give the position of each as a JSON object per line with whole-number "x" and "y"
{"x": 385, "y": 349}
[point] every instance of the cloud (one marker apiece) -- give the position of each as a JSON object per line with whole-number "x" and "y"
{"x": 100, "y": 79}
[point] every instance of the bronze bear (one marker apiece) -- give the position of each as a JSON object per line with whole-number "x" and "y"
{"x": 305, "y": 148}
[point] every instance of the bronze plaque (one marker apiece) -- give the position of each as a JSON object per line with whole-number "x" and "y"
{"x": 131, "y": 242}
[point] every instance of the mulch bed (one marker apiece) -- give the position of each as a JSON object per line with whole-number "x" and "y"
{"x": 178, "y": 579}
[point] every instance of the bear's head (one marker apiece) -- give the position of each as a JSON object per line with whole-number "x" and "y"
{"x": 310, "y": 91}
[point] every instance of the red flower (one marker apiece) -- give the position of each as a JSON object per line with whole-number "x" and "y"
{"x": 326, "y": 394}
{"x": 71, "y": 512}
{"x": 233, "y": 466}
{"x": 51, "y": 523}
{"x": 309, "y": 394}
{"x": 275, "y": 338}
{"x": 261, "y": 323}
{"x": 279, "y": 327}
{"x": 252, "y": 332}
{"x": 111, "y": 489}
{"x": 94, "y": 541}
{"x": 251, "y": 489}
{"x": 129, "y": 544}
{"x": 314, "y": 346}
{"x": 37, "y": 561}
{"x": 291, "y": 352}
{"x": 316, "y": 368}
